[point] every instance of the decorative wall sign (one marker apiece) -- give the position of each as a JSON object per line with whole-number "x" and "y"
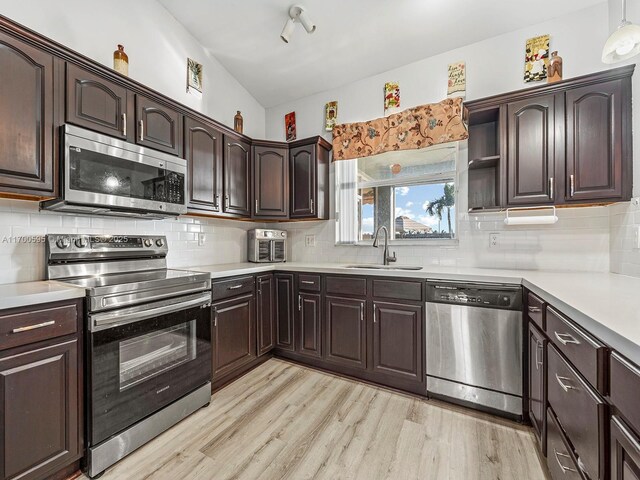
{"x": 194, "y": 77}
{"x": 391, "y": 95}
{"x": 457, "y": 85}
{"x": 536, "y": 59}
{"x": 290, "y": 126}
{"x": 330, "y": 115}
{"x": 555, "y": 68}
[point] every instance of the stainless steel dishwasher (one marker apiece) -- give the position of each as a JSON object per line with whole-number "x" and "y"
{"x": 474, "y": 345}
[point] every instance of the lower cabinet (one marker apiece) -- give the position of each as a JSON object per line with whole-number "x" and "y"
{"x": 284, "y": 294}
{"x": 265, "y": 314}
{"x": 397, "y": 340}
{"x": 537, "y": 379}
{"x": 233, "y": 334}
{"x": 560, "y": 459}
{"x": 310, "y": 324}
{"x": 345, "y": 332}
{"x": 625, "y": 451}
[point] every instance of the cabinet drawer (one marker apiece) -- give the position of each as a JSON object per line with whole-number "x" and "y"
{"x": 535, "y": 310}
{"x": 34, "y": 326}
{"x": 625, "y": 389}
{"x": 231, "y": 288}
{"x": 398, "y": 290}
{"x": 346, "y": 286}
{"x": 560, "y": 458}
{"x": 625, "y": 451}
{"x": 310, "y": 283}
{"x": 584, "y": 351}
{"x": 580, "y": 411}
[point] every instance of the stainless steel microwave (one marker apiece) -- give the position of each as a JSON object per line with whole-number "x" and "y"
{"x": 106, "y": 176}
{"x": 265, "y": 246}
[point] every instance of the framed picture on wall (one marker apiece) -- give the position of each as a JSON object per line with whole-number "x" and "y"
{"x": 194, "y": 77}
{"x": 290, "y": 126}
{"x": 536, "y": 60}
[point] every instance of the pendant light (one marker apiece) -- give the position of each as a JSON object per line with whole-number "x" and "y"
{"x": 624, "y": 43}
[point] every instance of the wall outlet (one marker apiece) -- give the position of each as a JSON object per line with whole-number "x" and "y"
{"x": 494, "y": 240}
{"x": 309, "y": 240}
{"x": 201, "y": 239}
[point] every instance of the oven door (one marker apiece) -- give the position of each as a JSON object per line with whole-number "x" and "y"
{"x": 145, "y": 360}
{"x": 278, "y": 251}
{"x": 106, "y": 172}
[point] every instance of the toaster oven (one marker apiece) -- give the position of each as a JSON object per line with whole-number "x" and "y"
{"x": 266, "y": 246}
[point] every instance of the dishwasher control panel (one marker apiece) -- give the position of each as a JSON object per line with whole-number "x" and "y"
{"x": 508, "y": 297}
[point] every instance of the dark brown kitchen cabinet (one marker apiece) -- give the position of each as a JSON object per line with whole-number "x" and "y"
{"x": 625, "y": 451}
{"x": 98, "y": 104}
{"x": 310, "y": 324}
{"x": 27, "y": 145}
{"x": 270, "y": 181}
{"x": 397, "y": 341}
{"x": 532, "y": 156}
{"x": 203, "y": 152}
{"x": 537, "y": 382}
{"x": 561, "y": 459}
{"x": 234, "y": 334}
{"x": 284, "y": 297}
{"x": 345, "y": 336}
{"x": 236, "y": 167}
{"x": 309, "y": 167}
{"x": 158, "y": 126}
{"x": 596, "y": 117}
{"x": 40, "y": 413}
{"x": 265, "y": 314}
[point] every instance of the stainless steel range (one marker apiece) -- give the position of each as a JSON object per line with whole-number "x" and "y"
{"x": 148, "y": 345}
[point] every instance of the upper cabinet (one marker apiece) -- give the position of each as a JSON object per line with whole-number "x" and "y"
{"x": 309, "y": 172}
{"x": 270, "y": 180}
{"x": 563, "y": 143}
{"x": 98, "y": 104}
{"x": 203, "y": 151}
{"x": 158, "y": 126}
{"x": 237, "y": 176}
{"x": 27, "y": 144}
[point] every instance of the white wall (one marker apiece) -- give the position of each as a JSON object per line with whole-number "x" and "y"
{"x": 157, "y": 45}
{"x": 579, "y": 241}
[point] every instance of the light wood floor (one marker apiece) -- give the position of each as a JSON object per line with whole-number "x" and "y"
{"x": 286, "y": 421}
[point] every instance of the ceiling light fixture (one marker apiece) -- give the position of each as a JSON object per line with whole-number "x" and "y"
{"x": 296, "y": 14}
{"x": 624, "y": 43}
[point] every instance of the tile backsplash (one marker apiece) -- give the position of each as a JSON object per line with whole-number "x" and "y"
{"x": 225, "y": 241}
{"x": 624, "y": 248}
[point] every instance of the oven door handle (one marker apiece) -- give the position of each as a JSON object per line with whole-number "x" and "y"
{"x": 101, "y": 321}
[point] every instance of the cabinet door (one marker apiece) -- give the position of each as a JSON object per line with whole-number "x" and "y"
{"x": 271, "y": 182}
{"x": 309, "y": 312}
{"x": 303, "y": 181}
{"x": 265, "y": 313}
{"x": 594, "y": 117}
{"x": 41, "y": 430}
{"x": 26, "y": 115}
{"x": 96, "y": 103}
{"x": 158, "y": 127}
{"x": 625, "y": 451}
{"x": 234, "y": 334}
{"x": 284, "y": 312}
{"x": 345, "y": 334}
{"x": 237, "y": 177}
{"x": 397, "y": 341}
{"x": 537, "y": 374}
{"x": 203, "y": 151}
{"x": 531, "y": 147}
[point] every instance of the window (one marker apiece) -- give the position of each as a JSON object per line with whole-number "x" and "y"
{"x": 412, "y": 193}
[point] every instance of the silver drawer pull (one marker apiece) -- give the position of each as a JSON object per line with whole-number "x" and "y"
{"x": 34, "y": 327}
{"x": 564, "y": 469}
{"x": 234, "y": 287}
{"x": 564, "y": 386}
{"x": 535, "y": 309}
{"x": 565, "y": 338}
{"x": 307, "y": 282}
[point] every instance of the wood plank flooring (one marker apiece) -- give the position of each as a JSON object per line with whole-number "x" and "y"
{"x": 284, "y": 421}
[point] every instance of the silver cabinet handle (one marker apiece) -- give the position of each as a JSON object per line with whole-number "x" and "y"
{"x": 124, "y": 124}
{"x": 141, "y": 125}
{"x": 558, "y": 454}
{"x": 308, "y": 282}
{"x": 299, "y": 303}
{"x": 534, "y": 309}
{"x": 256, "y": 205}
{"x": 234, "y": 287}
{"x": 572, "y": 184}
{"x": 362, "y": 312}
{"x": 564, "y": 386}
{"x": 551, "y": 188}
{"x": 538, "y": 348}
{"x": 565, "y": 338}
{"x": 215, "y": 317}
{"x": 33, "y": 327}
{"x": 374, "y": 313}
{"x": 312, "y": 206}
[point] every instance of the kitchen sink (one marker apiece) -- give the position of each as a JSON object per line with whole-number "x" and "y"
{"x": 385, "y": 267}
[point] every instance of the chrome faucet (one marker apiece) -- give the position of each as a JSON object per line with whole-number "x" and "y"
{"x": 386, "y": 259}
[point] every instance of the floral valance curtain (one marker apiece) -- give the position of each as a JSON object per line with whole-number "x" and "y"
{"x": 413, "y": 128}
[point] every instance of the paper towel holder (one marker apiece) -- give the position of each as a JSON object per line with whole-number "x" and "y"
{"x": 532, "y": 220}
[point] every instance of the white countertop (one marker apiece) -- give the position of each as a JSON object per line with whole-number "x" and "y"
{"x": 13, "y": 295}
{"x": 602, "y": 303}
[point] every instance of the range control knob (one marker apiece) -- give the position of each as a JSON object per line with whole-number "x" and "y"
{"x": 160, "y": 242}
{"x": 147, "y": 242}
{"x": 81, "y": 242}
{"x": 63, "y": 242}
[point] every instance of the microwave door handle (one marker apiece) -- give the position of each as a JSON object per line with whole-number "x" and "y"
{"x": 272, "y": 250}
